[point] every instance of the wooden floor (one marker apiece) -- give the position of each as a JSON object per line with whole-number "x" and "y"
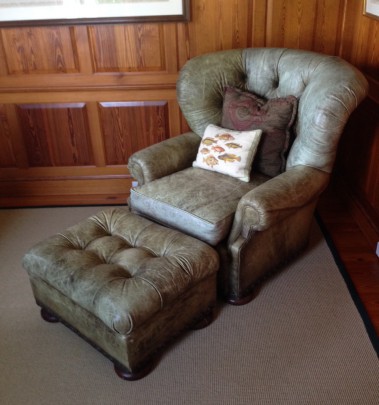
{"x": 357, "y": 253}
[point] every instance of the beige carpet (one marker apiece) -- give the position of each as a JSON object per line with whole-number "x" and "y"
{"x": 302, "y": 341}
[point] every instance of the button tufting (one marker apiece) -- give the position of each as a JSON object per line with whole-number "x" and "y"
{"x": 275, "y": 83}
{"x": 124, "y": 278}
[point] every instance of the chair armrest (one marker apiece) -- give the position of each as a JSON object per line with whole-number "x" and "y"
{"x": 277, "y": 199}
{"x": 164, "y": 158}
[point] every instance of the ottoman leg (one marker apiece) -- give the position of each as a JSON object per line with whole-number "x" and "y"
{"x": 48, "y": 316}
{"x": 204, "y": 321}
{"x": 125, "y": 374}
{"x": 120, "y": 370}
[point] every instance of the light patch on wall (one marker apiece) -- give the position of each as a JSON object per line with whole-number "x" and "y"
{"x": 41, "y": 10}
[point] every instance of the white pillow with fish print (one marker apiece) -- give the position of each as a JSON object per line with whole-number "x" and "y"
{"x": 228, "y": 151}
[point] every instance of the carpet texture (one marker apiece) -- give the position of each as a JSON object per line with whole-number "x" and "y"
{"x": 301, "y": 341}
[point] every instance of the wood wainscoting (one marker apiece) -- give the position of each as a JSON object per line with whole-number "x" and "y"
{"x": 76, "y": 101}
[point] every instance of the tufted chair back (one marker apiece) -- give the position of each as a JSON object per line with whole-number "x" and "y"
{"x": 328, "y": 90}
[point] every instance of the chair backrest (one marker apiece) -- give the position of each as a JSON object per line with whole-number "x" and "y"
{"x": 328, "y": 90}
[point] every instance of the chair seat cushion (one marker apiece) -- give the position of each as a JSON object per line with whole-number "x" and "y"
{"x": 195, "y": 201}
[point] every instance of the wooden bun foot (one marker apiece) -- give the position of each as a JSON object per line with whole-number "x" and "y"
{"x": 204, "y": 321}
{"x": 125, "y": 374}
{"x": 48, "y": 316}
{"x": 246, "y": 298}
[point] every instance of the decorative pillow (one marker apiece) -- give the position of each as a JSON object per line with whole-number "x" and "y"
{"x": 227, "y": 151}
{"x": 244, "y": 111}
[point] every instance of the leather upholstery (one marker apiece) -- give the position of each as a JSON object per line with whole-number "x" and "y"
{"x": 164, "y": 158}
{"x": 194, "y": 210}
{"x": 125, "y": 284}
{"x": 272, "y": 220}
{"x": 121, "y": 267}
{"x": 328, "y": 89}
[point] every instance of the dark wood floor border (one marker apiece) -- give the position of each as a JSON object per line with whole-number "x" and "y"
{"x": 350, "y": 285}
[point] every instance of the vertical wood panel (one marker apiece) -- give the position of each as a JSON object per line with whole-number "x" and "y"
{"x": 257, "y": 16}
{"x": 131, "y": 126}
{"x": 366, "y": 45}
{"x": 17, "y": 139}
{"x": 56, "y": 135}
{"x": 3, "y": 59}
{"x": 292, "y": 23}
{"x": 328, "y": 22}
{"x": 39, "y": 50}
{"x": 128, "y": 48}
{"x": 7, "y": 157}
{"x": 174, "y": 121}
{"x": 83, "y": 49}
{"x": 170, "y": 50}
{"x": 312, "y": 25}
{"x": 216, "y": 25}
{"x": 350, "y": 22}
{"x": 96, "y": 134}
{"x": 360, "y": 39}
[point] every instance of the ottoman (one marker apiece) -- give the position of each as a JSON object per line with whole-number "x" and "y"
{"x": 125, "y": 284}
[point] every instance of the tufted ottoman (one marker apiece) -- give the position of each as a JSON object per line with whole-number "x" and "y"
{"x": 125, "y": 284}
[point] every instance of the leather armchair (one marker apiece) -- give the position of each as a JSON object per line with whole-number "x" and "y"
{"x": 257, "y": 226}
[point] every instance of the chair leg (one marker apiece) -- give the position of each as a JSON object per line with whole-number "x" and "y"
{"x": 245, "y": 299}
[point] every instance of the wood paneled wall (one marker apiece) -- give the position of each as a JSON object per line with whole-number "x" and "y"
{"x": 76, "y": 101}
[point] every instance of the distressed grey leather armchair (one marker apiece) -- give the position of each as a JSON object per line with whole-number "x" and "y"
{"x": 255, "y": 226}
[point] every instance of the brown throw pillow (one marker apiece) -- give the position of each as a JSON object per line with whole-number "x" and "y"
{"x": 243, "y": 111}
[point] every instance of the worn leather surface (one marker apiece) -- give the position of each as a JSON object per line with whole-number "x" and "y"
{"x": 136, "y": 349}
{"x": 277, "y": 199}
{"x": 272, "y": 220}
{"x": 120, "y": 267}
{"x": 252, "y": 259}
{"x": 202, "y": 205}
{"x": 164, "y": 158}
{"x": 271, "y": 225}
{"x": 328, "y": 90}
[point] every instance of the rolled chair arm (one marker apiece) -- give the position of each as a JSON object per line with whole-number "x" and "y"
{"x": 164, "y": 158}
{"x": 277, "y": 199}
